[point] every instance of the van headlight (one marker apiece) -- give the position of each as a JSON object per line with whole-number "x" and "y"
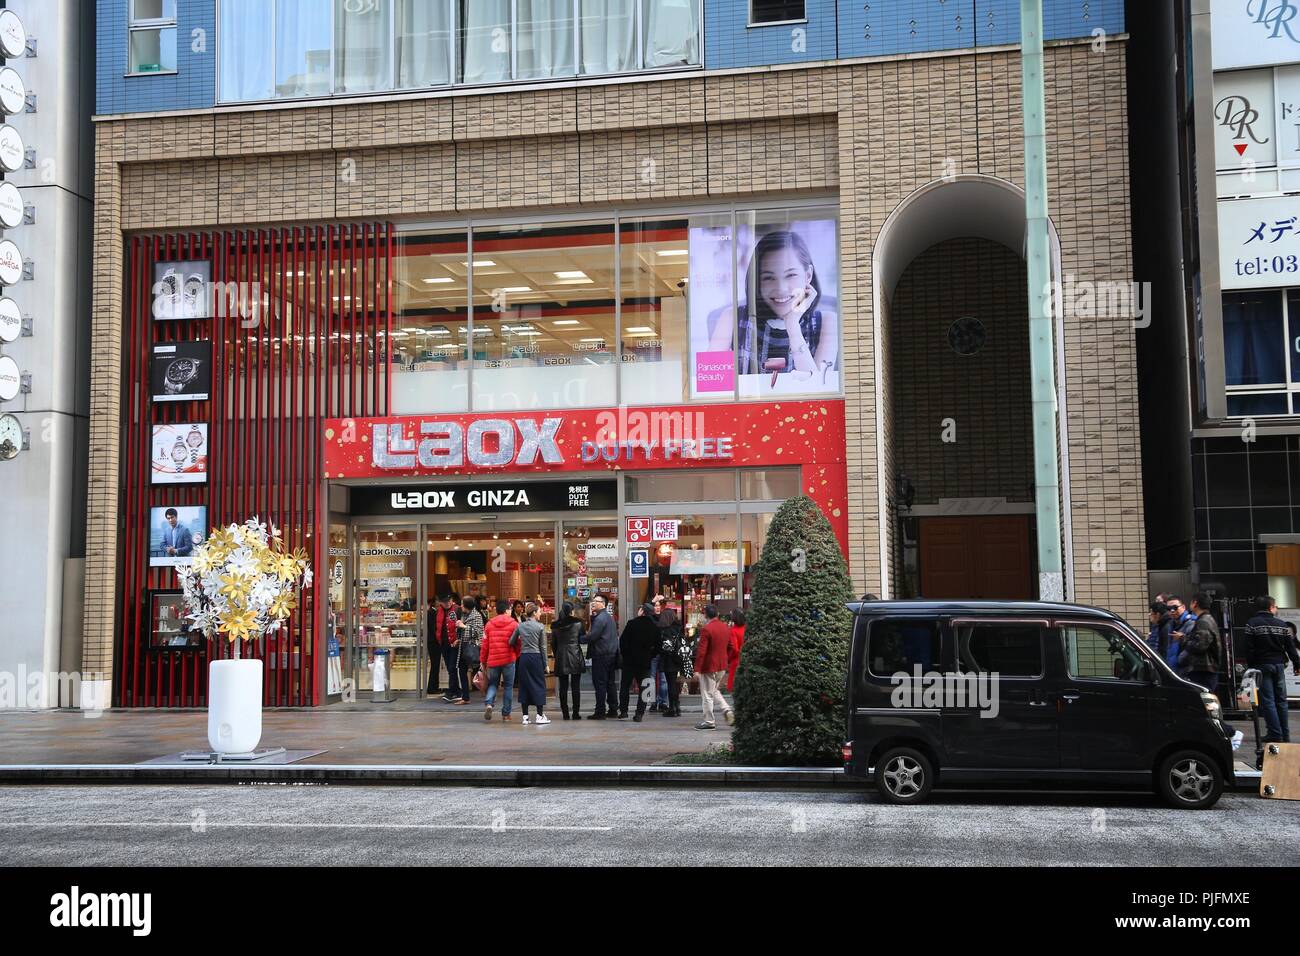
{"x": 1212, "y": 706}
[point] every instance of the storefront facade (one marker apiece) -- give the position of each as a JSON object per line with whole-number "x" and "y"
{"x": 518, "y": 341}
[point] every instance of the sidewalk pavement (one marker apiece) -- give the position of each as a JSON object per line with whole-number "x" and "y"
{"x": 407, "y": 741}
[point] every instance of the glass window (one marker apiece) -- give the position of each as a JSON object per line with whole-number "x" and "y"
{"x": 1096, "y": 653}
{"x": 776, "y": 484}
{"x": 1293, "y": 324}
{"x": 152, "y": 36}
{"x": 1011, "y": 650}
{"x": 362, "y": 46}
{"x": 753, "y": 535}
{"x": 302, "y": 47}
{"x": 654, "y": 269}
{"x": 544, "y": 323}
{"x": 387, "y": 612}
{"x": 694, "y": 567}
{"x": 710, "y": 303}
{"x": 895, "y": 647}
{"x": 607, "y": 33}
{"x": 1253, "y": 352}
{"x": 543, "y": 39}
{"x": 247, "y": 32}
{"x": 1243, "y": 406}
{"x": 590, "y": 565}
{"x": 650, "y": 487}
{"x": 485, "y": 41}
{"x": 430, "y": 327}
{"x": 153, "y": 51}
{"x": 776, "y": 11}
{"x": 423, "y": 43}
{"x": 787, "y": 319}
{"x": 672, "y": 32}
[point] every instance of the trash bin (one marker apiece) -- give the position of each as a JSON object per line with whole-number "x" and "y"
{"x": 381, "y": 676}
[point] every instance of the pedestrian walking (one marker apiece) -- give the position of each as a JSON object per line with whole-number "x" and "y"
{"x": 711, "y": 666}
{"x": 1269, "y": 643}
{"x": 656, "y": 671}
{"x": 432, "y": 617}
{"x": 602, "y": 646}
{"x": 567, "y": 634}
{"x": 734, "y": 643}
{"x": 448, "y": 635}
{"x": 1179, "y": 624}
{"x": 674, "y": 659}
{"x": 499, "y": 654}
{"x": 531, "y": 666}
{"x": 469, "y": 646}
{"x": 1156, "y": 631}
{"x": 639, "y": 646}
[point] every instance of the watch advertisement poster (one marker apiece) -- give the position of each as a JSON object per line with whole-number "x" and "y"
{"x": 180, "y": 290}
{"x": 174, "y": 532}
{"x": 180, "y": 454}
{"x": 181, "y": 371}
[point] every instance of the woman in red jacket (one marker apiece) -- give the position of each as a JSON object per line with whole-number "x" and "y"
{"x": 734, "y": 644}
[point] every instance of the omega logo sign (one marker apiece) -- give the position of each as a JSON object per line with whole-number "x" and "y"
{"x": 492, "y": 442}
{"x": 11, "y": 262}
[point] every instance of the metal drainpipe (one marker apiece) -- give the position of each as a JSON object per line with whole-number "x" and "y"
{"x": 1051, "y": 579}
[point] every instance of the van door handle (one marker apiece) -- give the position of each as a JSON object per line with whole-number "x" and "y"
{"x": 1070, "y": 696}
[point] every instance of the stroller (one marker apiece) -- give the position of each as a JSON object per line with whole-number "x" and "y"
{"x": 1248, "y": 699}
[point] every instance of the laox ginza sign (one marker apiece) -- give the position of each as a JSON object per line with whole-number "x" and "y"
{"x": 487, "y": 443}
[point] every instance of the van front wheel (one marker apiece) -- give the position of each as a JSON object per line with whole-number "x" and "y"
{"x": 1189, "y": 780}
{"x": 904, "y": 776}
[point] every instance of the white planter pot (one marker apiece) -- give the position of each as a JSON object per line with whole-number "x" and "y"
{"x": 234, "y": 705}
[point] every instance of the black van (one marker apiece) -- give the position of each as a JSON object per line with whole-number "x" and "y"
{"x": 990, "y": 692}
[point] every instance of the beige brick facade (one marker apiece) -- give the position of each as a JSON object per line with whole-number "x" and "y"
{"x": 870, "y": 133}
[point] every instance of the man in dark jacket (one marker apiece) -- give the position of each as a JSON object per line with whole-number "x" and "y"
{"x": 1201, "y": 649}
{"x": 1268, "y": 645}
{"x": 602, "y": 643}
{"x": 639, "y": 645}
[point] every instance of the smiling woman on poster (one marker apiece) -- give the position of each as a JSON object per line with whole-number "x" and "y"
{"x": 789, "y": 327}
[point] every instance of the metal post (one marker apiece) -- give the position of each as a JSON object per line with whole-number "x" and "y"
{"x": 1051, "y": 579}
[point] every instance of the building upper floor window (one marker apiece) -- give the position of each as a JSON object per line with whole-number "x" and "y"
{"x": 304, "y": 48}
{"x": 152, "y": 36}
{"x": 776, "y": 11}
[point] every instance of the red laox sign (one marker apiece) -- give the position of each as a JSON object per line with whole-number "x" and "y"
{"x": 770, "y": 434}
{"x": 585, "y": 440}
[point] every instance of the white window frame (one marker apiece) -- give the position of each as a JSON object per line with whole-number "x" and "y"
{"x": 393, "y": 90}
{"x": 144, "y": 25}
{"x": 751, "y": 23}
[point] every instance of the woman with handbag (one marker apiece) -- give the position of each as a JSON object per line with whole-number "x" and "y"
{"x": 531, "y": 638}
{"x": 469, "y": 643}
{"x": 674, "y": 659}
{"x": 566, "y": 647}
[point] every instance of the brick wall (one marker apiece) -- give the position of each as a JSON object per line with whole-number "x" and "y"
{"x": 871, "y": 133}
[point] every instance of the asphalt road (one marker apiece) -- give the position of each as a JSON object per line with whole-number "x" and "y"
{"x": 324, "y": 825}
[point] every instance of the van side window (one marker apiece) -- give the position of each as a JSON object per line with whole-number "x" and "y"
{"x": 898, "y": 645}
{"x": 1012, "y": 650}
{"x": 1100, "y": 654}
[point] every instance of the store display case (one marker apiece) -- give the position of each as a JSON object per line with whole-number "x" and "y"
{"x": 168, "y": 628}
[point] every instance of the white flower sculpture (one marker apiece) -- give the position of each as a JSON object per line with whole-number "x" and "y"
{"x": 242, "y": 582}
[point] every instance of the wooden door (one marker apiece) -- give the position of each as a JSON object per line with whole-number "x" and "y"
{"x": 976, "y": 558}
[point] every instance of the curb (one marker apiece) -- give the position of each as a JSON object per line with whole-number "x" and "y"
{"x": 753, "y": 778}
{"x": 828, "y": 778}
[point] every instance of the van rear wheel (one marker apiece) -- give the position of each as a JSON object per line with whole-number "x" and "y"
{"x": 904, "y": 776}
{"x": 1189, "y": 780}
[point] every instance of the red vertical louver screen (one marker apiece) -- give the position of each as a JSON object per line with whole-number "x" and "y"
{"x": 298, "y": 320}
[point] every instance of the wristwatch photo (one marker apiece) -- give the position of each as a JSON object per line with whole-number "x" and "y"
{"x": 180, "y": 373}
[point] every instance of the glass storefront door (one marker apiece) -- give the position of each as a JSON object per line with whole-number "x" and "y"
{"x": 387, "y": 607}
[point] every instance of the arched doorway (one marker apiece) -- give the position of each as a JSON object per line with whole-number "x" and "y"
{"x": 954, "y": 394}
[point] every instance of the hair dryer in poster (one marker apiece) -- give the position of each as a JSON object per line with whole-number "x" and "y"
{"x": 782, "y": 335}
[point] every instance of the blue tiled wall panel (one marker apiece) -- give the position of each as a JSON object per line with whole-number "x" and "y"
{"x": 193, "y": 86}
{"x": 884, "y": 27}
{"x": 729, "y": 40}
{"x": 835, "y": 29}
